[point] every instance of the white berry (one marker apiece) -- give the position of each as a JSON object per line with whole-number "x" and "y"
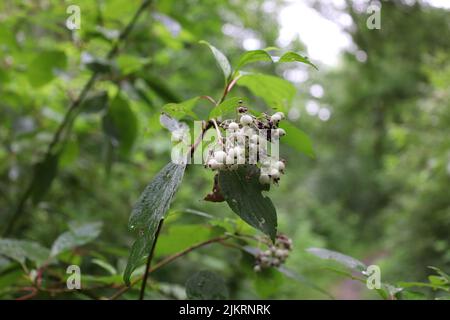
{"x": 264, "y": 179}
{"x": 220, "y": 156}
{"x": 233, "y": 126}
{"x": 280, "y": 166}
{"x": 274, "y": 173}
{"x": 246, "y": 120}
{"x": 280, "y": 114}
{"x": 275, "y": 118}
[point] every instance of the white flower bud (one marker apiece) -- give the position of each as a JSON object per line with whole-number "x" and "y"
{"x": 246, "y": 120}
{"x": 264, "y": 179}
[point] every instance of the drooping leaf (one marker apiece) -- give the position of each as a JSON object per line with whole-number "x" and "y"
{"x": 295, "y": 57}
{"x": 120, "y": 125}
{"x": 20, "y": 250}
{"x": 41, "y": 69}
{"x": 44, "y": 174}
{"x": 148, "y": 212}
{"x": 343, "y": 259}
{"x": 243, "y": 193}
{"x": 275, "y": 91}
{"x": 297, "y": 139}
{"x": 253, "y": 56}
{"x": 78, "y": 235}
{"x": 226, "y": 107}
{"x": 128, "y": 64}
{"x": 182, "y": 109}
{"x": 95, "y": 103}
{"x": 206, "y": 285}
{"x": 221, "y": 59}
{"x": 105, "y": 265}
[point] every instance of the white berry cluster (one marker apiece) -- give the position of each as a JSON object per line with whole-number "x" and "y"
{"x": 246, "y": 142}
{"x": 275, "y": 255}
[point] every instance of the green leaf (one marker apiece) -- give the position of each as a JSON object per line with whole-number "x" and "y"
{"x": 120, "y": 125}
{"x": 179, "y": 237}
{"x": 95, "y": 102}
{"x": 148, "y": 212}
{"x": 20, "y": 250}
{"x": 343, "y": 259}
{"x": 295, "y": 57}
{"x": 226, "y": 107}
{"x": 182, "y": 109}
{"x": 297, "y": 139}
{"x": 221, "y": 59}
{"x": 253, "y": 56}
{"x": 243, "y": 193}
{"x": 44, "y": 174}
{"x": 274, "y": 90}
{"x": 206, "y": 285}
{"x": 129, "y": 64}
{"x": 78, "y": 235}
{"x": 105, "y": 265}
{"x": 41, "y": 69}
{"x": 268, "y": 282}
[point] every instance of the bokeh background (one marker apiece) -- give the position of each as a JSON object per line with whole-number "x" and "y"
{"x": 377, "y": 111}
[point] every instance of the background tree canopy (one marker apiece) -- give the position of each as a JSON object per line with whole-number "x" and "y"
{"x": 81, "y": 139}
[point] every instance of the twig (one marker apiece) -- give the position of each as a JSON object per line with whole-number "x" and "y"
{"x": 71, "y": 115}
{"x": 166, "y": 261}
{"x": 149, "y": 260}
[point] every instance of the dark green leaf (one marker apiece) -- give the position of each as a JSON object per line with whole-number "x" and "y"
{"x": 274, "y": 90}
{"x": 243, "y": 193}
{"x": 95, "y": 102}
{"x": 44, "y": 174}
{"x": 295, "y": 57}
{"x": 148, "y": 212}
{"x": 120, "y": 125}
{"x": 206, "y": 285}
{"x": 20, "y": 250}
{"x": 297, "y": 139}
{"x": 75, "y": 237}
{"x": 253, "y": 56}
{"x": 221, "y": 60}
{"x": 226, "y": 107}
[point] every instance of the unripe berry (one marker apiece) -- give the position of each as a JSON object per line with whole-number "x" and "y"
{"x": 280, "y": 114}
{"x": 280, "y": 166}
{"x": 264, "y": 179}
{"x": 275, "y": 118}
{"x": 233, "y": 126}
{"x": 220, "y": 156}
{"x": 274, "y": 173}
{"x": 213, "y": 164}
{"x": 246, "y": 120}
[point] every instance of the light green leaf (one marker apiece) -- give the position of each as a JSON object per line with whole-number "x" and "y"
{"x": 148, "y": 212}
{"x": 41, "y": 69}
{"x": 20, "y": 250}
{"x": 295, "y": 57}
{"x": 105, "y": 265}
{"x": 78, "y": 235}
{"x": 128, "y": 64}
{"x": 253, "y": 56}
{"x": 221, "y": 59}
{"x": 182, "y": 109}
{"x": 275, "y": 91}
{"x": 243, "y": 193}
{"x": 179, "y": 237}
{"x": 343, "y": 259}
{"x": 206, "y": 285}
{"x": 226, "y": 107}
{"x": 297, "y": 139}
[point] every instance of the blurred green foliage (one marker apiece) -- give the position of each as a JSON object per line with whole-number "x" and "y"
{"x": 378, "y": 188}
